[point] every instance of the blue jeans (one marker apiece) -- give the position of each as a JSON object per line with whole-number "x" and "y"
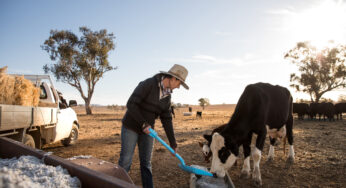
{"x": 129, "y": 139}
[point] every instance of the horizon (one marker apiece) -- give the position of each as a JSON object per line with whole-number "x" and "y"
{"x": 225, "y": 45}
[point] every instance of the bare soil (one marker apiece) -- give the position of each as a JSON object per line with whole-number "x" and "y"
{"x": 320, "y": 148}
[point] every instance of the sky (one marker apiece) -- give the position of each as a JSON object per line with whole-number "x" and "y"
{"x": 224, "y": 44}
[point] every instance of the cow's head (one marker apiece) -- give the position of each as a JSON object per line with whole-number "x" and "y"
{"x": 224, "y": 154}
{"x": 206, "y": 147}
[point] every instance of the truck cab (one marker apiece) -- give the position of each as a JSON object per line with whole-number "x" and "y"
{"x": 47, "y": 94}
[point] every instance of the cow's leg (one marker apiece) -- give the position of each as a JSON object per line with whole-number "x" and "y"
{"x": 289, "y": 129}
{"x": 256, "y": 174}
{"x": 245, "y": 172}
{"x": 256, "y": 156}
{"x": 313, "y": 117}
{"x": 271, "y": 153}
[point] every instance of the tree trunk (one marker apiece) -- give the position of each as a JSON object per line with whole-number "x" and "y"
{"x": 318, "y": 97}
{"x": 87, "y": 107}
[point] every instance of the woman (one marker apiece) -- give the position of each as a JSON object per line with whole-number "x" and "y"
{"x": 150, "y": 99}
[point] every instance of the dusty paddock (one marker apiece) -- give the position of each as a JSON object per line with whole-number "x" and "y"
{"x": 320, "y": 149}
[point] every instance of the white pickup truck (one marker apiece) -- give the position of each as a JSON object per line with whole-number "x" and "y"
{"x": 50, "y": 122}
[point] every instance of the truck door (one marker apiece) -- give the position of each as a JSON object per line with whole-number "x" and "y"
{"x": 66, "y": 117}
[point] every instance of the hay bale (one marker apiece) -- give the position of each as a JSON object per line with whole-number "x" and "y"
{"x": 3, "y": 70}
{"x": 16, "y": 90}
{"x": 6, "y": 87}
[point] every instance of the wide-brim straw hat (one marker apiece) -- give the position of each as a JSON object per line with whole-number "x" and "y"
{"x": 178, "y": 72}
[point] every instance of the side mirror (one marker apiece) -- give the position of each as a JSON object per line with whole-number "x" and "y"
{"x": 72, "y": 103}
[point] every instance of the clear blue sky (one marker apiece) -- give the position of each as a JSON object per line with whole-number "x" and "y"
{"x": 225, "y": 45}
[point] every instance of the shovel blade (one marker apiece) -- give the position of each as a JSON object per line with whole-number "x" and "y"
{"x": 195, "y": 170}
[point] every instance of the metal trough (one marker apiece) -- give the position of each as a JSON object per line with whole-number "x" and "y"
{"x": 210, "y": 182}
{"x": 104, "y": 176}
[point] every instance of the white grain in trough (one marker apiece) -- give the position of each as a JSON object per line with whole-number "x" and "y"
{"x": 29, "y": 171}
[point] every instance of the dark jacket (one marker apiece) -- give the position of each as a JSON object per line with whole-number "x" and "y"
{"x": 144, "y": 106}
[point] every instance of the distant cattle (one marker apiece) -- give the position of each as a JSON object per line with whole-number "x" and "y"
{"x": 326, "y": 110}
{"x": 314, "y": 110}
{"x": 301, "y": 109}
{"x": 339, "y": 109}
{"x": 320, "y": 111}
{"x": 261, "y": 108}
{"x": 198, "y": 114}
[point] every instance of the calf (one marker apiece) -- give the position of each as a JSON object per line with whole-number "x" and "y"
{"x": 198, "y": 114}
{"x": 261, "y": 108}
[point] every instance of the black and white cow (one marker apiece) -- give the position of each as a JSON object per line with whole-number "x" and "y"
{"x": 261, "y": 109}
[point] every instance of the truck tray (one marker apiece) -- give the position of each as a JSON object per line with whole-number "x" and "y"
{"x": 89, "y": 177}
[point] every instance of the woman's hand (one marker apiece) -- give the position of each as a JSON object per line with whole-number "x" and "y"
{"x": 146, "y": 129}
{"x": 175, "y": 151}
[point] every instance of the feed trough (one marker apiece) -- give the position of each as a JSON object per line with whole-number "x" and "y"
{"x": 209, "y": 182}
{"x": 105, "y": 175}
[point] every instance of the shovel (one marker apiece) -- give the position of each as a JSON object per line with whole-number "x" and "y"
{"x": 182, "y": 164}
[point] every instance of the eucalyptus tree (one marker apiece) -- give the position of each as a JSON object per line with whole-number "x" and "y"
{"x": 79, "y": 62}
{"x": 203, "y": 102}
{"x": 320, "y": 70}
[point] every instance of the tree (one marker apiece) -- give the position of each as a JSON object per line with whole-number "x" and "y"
{"x": 320, "y": 70}
{"x": 79, "y": 59}
{"x": 203, "y": 102}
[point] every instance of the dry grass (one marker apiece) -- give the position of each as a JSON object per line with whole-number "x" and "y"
{"x": 320, "y": 149}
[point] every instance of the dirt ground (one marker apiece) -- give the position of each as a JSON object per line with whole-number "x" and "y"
{"x": 320, "y": 148}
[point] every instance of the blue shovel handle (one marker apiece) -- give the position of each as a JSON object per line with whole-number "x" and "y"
{"x": 154, "y": 135}
{"x": 182, "y": 165}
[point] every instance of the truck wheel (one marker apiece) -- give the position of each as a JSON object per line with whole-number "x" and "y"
{"x": 29, "y": 141}
{"x": 72, "y": 139}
